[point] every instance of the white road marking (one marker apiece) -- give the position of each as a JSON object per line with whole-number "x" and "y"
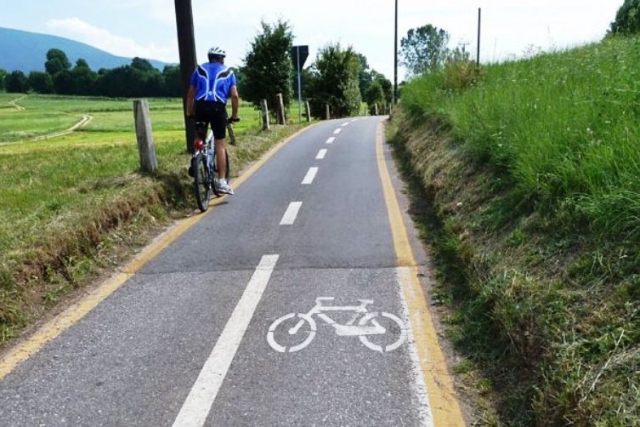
{"x": 337, "y": 131}
{"x": 321, "y": 154}
{"x": 345, "y": 124}
{"x": 196, "y": 408}
{"x": 330, "y": 140}
{"x": 291, "y": 213}
{"x": 311, "y": 174}
{"x": 419, "y": 385}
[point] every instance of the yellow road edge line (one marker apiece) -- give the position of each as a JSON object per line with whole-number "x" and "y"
{"x": 52, "y": 329}
{"x": 443, "y": 401}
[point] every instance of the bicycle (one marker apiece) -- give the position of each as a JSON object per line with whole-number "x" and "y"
{"x": 367, "y": 326}
{"x": 204, "y": 169}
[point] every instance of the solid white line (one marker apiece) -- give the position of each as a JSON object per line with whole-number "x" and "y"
{"x": 311, "y": 174}
{"x": 419, "y": 385}
{"x": 321, "y": 154}
{"x": 337, "y": 131}
{"x": 196, "y": 408}
{"x": 290, "y": 215}
{"x": 330, "y": 140}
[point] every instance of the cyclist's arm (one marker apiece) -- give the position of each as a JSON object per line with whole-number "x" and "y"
{"x": 235, "y": 101}
{"x": 191, "y": 94}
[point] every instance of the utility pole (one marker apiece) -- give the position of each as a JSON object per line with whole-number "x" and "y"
{"x": 187, "y": 50}
{"x": 395, "y": 59}
{"x": 478, "y": 51}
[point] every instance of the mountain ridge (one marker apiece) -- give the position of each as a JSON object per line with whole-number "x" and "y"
{"x": 27, "y": 51}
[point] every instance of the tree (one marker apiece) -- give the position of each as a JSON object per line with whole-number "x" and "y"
{"x": 627, "y": 19}
{"x": 83, "y": 78}
{"x": 40, "y": 82}
{"x": 374, "y": 95}
{"x": 57, "y": 61}
{"x": 268, "y": 68}
{"x": 334, "y": 81}
{"x": 3, "y": 75}
{"x": 424, "y": 49}
{"x": 16, "y": 82}
{"x": 172, "y": 81}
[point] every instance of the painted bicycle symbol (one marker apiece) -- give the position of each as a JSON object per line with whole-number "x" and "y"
{"x": 302, "y": 326}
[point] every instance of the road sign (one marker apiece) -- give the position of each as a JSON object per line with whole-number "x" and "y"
{"x": 299, "y": 54}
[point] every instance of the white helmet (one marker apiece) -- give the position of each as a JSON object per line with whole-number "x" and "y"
{"x": 216, "y": 51}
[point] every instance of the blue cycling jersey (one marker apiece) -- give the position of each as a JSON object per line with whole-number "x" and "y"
{"x": 213, "y": 82}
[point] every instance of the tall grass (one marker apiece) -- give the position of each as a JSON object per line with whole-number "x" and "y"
{"x": 533, "y": 171}
{"x": 562, "y": 126}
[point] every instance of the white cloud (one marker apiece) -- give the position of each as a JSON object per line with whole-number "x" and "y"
{"x": 77, "y": 29}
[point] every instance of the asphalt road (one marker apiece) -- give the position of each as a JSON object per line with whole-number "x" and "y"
{"x": 281, "y": 307}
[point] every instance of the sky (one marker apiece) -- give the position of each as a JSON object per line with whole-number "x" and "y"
{"x": 509, "y": 29}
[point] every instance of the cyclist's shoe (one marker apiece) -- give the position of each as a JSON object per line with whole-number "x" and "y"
{"x": 224, "y": 188}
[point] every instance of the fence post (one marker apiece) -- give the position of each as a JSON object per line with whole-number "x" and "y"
{"x": 144, "y": 135}
{"x": 265, "y": 115}
{"x": 307, "y": 110}
{"x": 327, "y": 112}
{"x": 281, "y": 117}
{"x": 375, "y": 109}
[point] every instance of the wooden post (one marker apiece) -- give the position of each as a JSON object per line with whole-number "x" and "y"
{"x": 375, "y": 109}
{"x": 232, "y": 134}
{"x": 144, "y": 135}
{"x": 265, "y": 115}
{"x": 281, "y": 117}
{"x": 327, "y": 112}
{"x": 307, "y": 111}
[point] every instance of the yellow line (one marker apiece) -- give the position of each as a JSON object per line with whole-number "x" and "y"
{"x": 443, "y": 401}
{"x": 77, "y": 311}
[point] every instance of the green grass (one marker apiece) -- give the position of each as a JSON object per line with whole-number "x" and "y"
{"x": 532, "y": 171}
{"x": 75, "y": 205}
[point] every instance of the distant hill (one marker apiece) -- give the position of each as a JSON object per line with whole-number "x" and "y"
{"x": 26, "y": 52}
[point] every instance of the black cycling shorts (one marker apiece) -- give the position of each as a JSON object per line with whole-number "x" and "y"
{"x": 214, "y": 113}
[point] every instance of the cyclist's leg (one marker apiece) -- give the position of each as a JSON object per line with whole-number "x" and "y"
{"x": 202, "y": 119}
{"x": 219, "y": 127}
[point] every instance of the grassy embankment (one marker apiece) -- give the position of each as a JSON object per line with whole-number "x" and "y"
{"x": 74, "y": 206}
{"x": 531, "y": 174}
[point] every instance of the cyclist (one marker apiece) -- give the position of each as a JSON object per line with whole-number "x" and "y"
{"x": 212, "y": 84}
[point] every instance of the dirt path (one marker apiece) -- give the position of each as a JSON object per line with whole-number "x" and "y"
{"x": 83, "y": 122}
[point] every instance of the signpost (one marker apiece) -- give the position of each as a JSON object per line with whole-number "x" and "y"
{"x": 299, "y": 54}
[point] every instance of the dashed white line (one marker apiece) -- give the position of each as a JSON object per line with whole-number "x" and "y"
{"x": 310, "y": 176}
{"x": 291, "y": 213}
{"x": 321, "y": 154}
{"x": 196, "y": 408}
{"x": 345, "y": 124}
{"x": 337, "y": 131}
{"x": 330, "y": 140}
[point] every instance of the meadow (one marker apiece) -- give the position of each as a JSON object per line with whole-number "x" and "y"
{"x": 76, "y": 205}
{"x": 529, "y": 175}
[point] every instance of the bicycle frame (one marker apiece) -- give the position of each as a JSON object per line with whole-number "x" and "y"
{"x": 347, "y": 329}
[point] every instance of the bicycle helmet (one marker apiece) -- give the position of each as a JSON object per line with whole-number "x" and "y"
{"x": 217, "y": 52}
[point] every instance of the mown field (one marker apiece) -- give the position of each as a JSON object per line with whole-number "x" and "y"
{"x": 526, "y": 179}
{"x": 74, "y": 206}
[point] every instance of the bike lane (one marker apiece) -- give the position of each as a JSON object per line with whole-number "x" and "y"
{"x": 136, "y": 359}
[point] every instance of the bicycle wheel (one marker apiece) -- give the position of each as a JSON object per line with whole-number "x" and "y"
{"x": 201, "y": 181}
{"x": 215, "y": 171}
{"x": 392, "y": 328}
{"x": 287, "y": 327}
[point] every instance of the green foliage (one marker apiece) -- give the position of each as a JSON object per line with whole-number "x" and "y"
{"x": 374, "y": 95}
{"x": 40, "y": 82}
{"x": 627, "y": 18}
{"x": 334, "y": 81}
{"x": 424, "y": 49}
{"x": 532, "y": 168}
{"x": 16, "y": 82}
{"x": 3, "y": 75}
{"x": 57, "y": 62}
{"x": 268, "y": 68}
